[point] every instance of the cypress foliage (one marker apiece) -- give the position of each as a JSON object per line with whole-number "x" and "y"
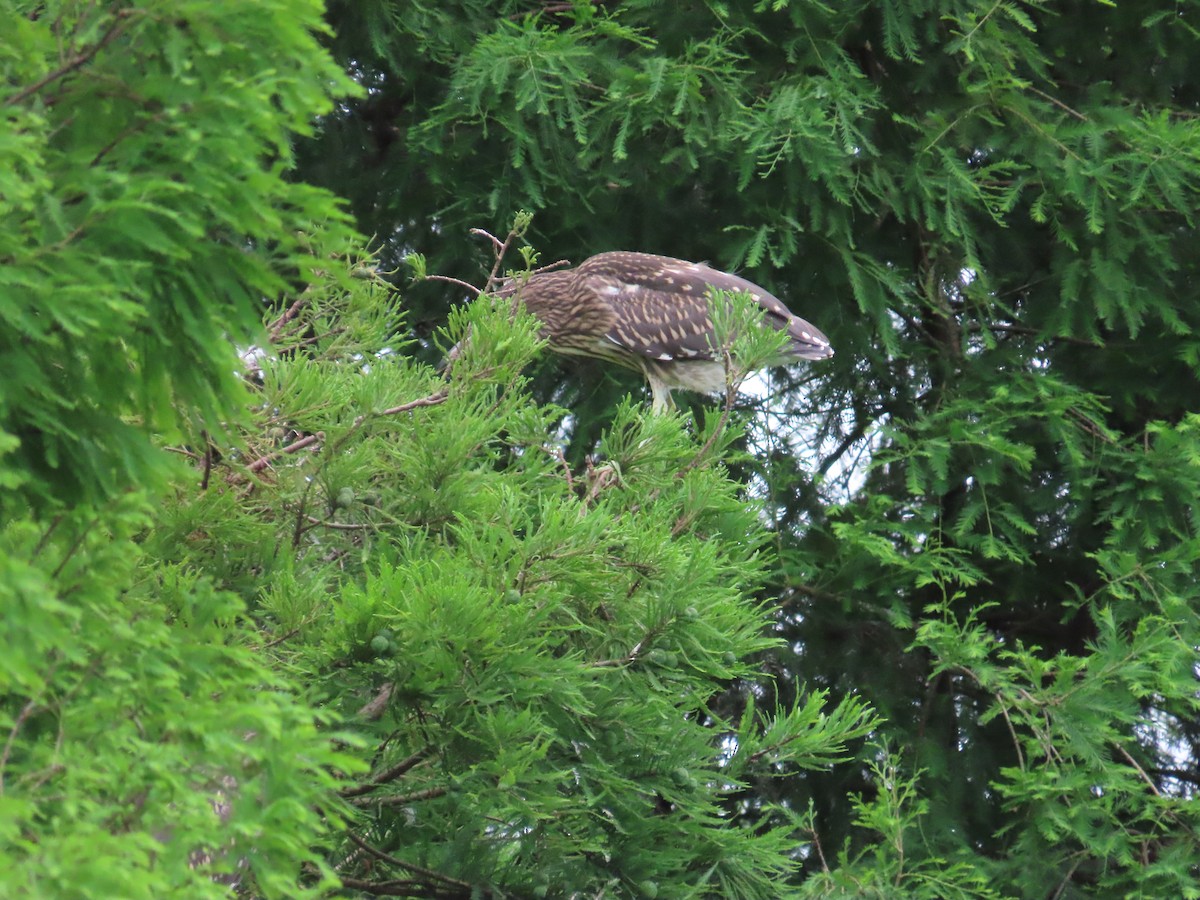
{"x": 146, "y": 749}
{"x": 323, "y": 619}
{"x": 984, "y": 505}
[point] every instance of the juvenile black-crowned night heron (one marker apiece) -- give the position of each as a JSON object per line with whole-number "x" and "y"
{"x": 651, "y": 314}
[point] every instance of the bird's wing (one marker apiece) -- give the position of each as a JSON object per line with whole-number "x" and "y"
{"x": 661, "y": 305}
{"x": 807, "y": 341}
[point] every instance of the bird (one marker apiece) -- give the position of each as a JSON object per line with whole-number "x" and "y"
{"x": 650, "y": 314}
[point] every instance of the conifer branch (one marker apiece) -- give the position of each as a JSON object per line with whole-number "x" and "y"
{"x": 407, "y": 866}
{"x": 81, "y": 58}
{"x": 390, "y": 774}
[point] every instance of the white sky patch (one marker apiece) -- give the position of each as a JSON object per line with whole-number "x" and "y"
{"x": 1165, "y": 733}
{"x": 803, "y": 441}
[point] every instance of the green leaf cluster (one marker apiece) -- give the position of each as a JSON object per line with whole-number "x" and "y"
{"x": 535, "y": 660}
{"x": 990, "y": 209}
{"x": 146, "y": 748}
{"x": 144, "y": 215}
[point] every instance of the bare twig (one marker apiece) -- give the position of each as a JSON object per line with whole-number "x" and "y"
{"x": 263, "y": 461}
{"x": 816, "y": 840}
{"x": 1025, "y": 330}
{"x": 499, "y": 248}
{"x": 1067, "y": 876}
{"x": 400, "y": 799}
{"x": 497, "y": 244}
{"x": 407, "y": 866}
{"x": 726, "y": 409}
{"x": 1141, "y": 772}
{"x": 74, "y": 548}
{"x": 557, "y": 453}
{"x": 307, "y": 441}
{"x": 432, "y": 400}
{"x": 80, "y": 59}
{"x": 208, "y": 461}
{"x": 275, "y": 642}
{"x": 404, "y": 887}
{"x": 457, "y": 281}
{"x": 601, "y": 477}
{"x": 287, "y": 316}
{"x": 392, "y": 772}
{"x": 26, "y": 711}
{"x": 46, "y": 535}
{"x": 372, "y": 710}
{"x": 131, "y": 130}
{"x": 1080, "y": 116}
{"x": 1012, "y": 732}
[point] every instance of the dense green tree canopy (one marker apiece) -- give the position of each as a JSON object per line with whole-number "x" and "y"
{"x": 289, "y": 611}
{"x": 984, "y": 505}
{"x": 144, "y": 215}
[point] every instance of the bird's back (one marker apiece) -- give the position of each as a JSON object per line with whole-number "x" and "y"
{"x": 651, "y": 314}
{"x": 661, "y": 305}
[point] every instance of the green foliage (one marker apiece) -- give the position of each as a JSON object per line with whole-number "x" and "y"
{"x": 535, "y": 627}
{"x": 987, "y": 497}
{"x": 147, "y": 747}
{"x": 900, "y": 862}
{"x": 532, "y": 656}
{"x": 144, "y": 215}
{"x": 146, "y": 753}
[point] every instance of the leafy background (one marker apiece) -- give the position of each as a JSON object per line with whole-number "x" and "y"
{"x": 918, "y": 621}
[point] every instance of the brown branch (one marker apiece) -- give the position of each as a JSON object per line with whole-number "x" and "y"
{"x": 1025, "y": 330}
{"x": 1177, "y": 774}
{"x": 400, "y": 799}
{"x": 262, "y": 462}
{"x": 131, "y": 130}
{"x": 457, "y": 281}
{"x": 77, "y": 61}
{"x": 299, "y": 529}
{"x": 759, "y": 754}
{"x": 288, "y": 314}
{"x": 339, "y": 526}
{"x": 208, "y": 461}
{"x": 46, "y": 535}
{"x": 497, "y": 244}
{"x": 1141, "y": 772}
{"x": 817, "y": 846}
{"x": 726, "y": 408}
{"x": 551, "y": 9}
{"x": 500, "y": 248}
{"x": 1012, "y": 732}
{"x": 557, "y": 453}
{"x": 432, "y": 400}
{"x": 408, "y": 867}
{"x": 373, "y": 709}
{"x": 287, "y": 636}
{"x": 600, "y": 477}
{"x": 1171, "y": 813}
{"x": 1080, "y": 116}
{"x": 390, "y": 774}
{"x": 26, "y": 711}
{"x": 856, "y": 434}
{"x": 74, "y": 548}
{"x": 399, "y": 887}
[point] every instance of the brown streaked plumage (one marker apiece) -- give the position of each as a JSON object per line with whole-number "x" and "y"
{"x": 650, "y": 314}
